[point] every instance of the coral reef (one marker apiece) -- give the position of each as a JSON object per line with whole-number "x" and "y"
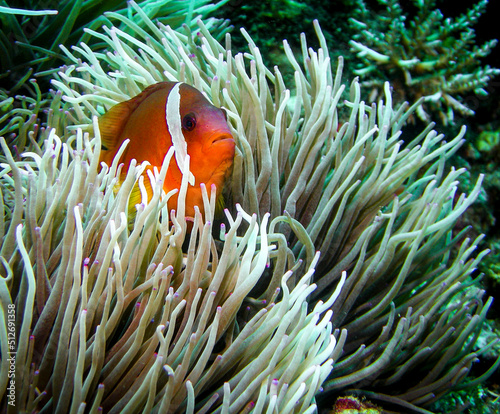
{"x": 429, "y": 56}
{"x": 336, "y": 266}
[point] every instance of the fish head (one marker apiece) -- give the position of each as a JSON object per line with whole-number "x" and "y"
{"x": 143, "y": 121}
{"x": 210, "y": 144}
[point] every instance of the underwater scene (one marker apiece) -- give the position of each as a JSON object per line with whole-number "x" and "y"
{"x": 241, "y": 206}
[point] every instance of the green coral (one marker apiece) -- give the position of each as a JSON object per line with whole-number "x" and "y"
{"x": 429, "y": 56}
{"x": 482, "y": 155}
{"x": 488, "y": 142}
{"x": 284, "y": 9}
{"x": 478, "y": 400}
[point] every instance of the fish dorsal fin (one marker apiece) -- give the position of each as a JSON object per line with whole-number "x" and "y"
{"x": 111, "y": 124}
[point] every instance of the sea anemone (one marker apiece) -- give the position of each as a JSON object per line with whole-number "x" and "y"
{"x": 120, "y": 318}
{"x": 136, "y": 314}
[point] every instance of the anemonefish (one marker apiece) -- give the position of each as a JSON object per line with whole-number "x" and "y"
{"x": 202, "y": 129}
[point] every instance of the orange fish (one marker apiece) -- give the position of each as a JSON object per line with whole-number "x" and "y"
{"x": 145, "y": 121}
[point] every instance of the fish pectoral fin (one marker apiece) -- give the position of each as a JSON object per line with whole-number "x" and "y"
{"x": 219, "y": 206}
{"x": 112, "y": 122}
{"x": 136, "y": 194}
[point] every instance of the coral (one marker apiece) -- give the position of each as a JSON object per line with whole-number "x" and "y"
{"x": 477, "y": 400}
{"x": 352, "y": 405}
{"x": 336, "y": 266}
{"x": 429, "y": 57}
{"x": 488, "y": 142}
{"x": 483, "y": 154}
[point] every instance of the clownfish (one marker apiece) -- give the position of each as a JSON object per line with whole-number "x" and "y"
{"x": 146, "y": 120}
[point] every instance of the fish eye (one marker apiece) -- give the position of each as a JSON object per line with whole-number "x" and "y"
{"x": 189, "y": 122}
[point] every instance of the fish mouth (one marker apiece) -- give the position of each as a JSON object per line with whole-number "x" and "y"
{"x": 220, "y": 138}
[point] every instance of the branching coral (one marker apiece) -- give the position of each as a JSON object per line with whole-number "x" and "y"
{"x": 429, "y": 57}
{"x": 407, "y": 316}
